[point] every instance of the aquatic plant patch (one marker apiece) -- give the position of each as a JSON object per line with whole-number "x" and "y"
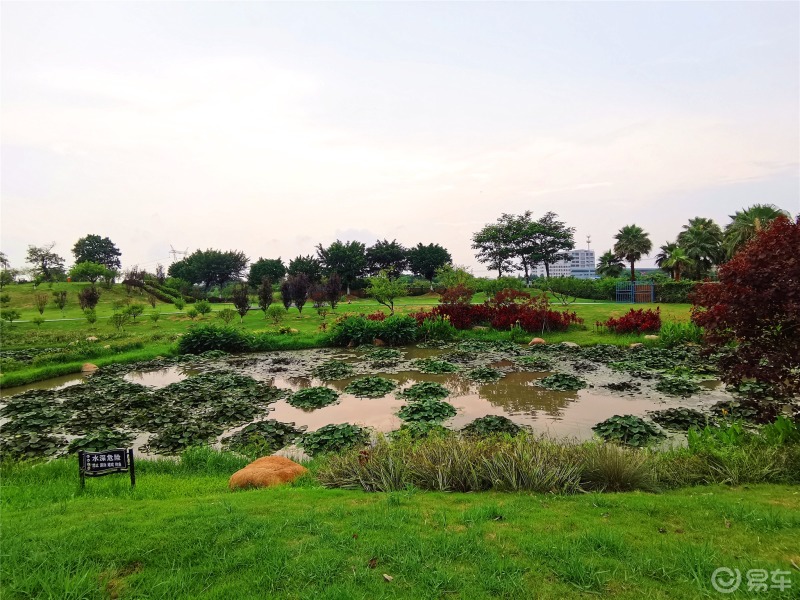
{"x": 561, "y": 382}
{"x": 101, "y": 439}
{"x": 265, "y": 436}
{"x": 313, "y": 397}
{"x": 485, "y": 375}
{"x": 334, "y": 438}
{"x": 535, "y": 362}
{"x": 677, "y": 386}
{"x": 623, "y": 386}
{"x": 30, "y": 444}
{"x": 492, "y": 425}
{"x": 424, "y": 390}
{"x": 428, "y": 410}
{"x": 627, "y": 429}
{"x": 420, "y": 429}
{"x": 603, "y": 353}
{"x": 332, "y": 369}
{"x": 753, "y": 411}
{"x": 176, "y": 437}
{"x": 371, "y": 386}
{"x": 433, "y": 365}
{"x": 679, "y": 419}
{"x": 383, "y": 357}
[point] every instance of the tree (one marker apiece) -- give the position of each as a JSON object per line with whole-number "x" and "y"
{"x": 306, "y": 265}
{"x": 202, "y": 307}
{"x": 60, "y": 300}
{"x": 552, "y": 239}
{"x": 46, "y": 264}
{"x": 95, "y": 249}
{"x": 348, "y": 260}
{"x": 88, "y": 271}
{"x": 425, "y": 260}
{"x": 4, "y": 264}
{"x": 608, "y": 265}
{"x": 265, "y": 297}
{"x": 286, "y": 293}
{"x": 88, "y": 297}
{"x": 134, "y": 310}
{"x": 298, "y": 286}
{"x": 522, "y": 237}
{"x": 663, "y": 255}
{"x": 746, "y": 223}
{"x": 333, "y": 290}
{"x": 677, "y": 261}
{"x": 228, "y": 315}
{"x": 241, "y": 300}
{"x": 40, "y": 300}
{"x": 7, "y": 277}
{"x": 493, "y": 248}
{"x": 271, "y": 268}
{"x": 387, "y": 256}
{"x": 632, "y": 243}
{"x": 701, "y": 239}
{"x": 752, "y": 316}
{"x": 210, "y": 267}
{"x": 385, "y": 290}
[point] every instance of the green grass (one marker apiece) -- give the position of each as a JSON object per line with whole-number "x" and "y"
{"x": 158, "y": 339}
{"x": 181, "y": 534}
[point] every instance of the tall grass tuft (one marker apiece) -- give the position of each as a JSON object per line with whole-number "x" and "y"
{"x": 674, "y": 334}
{"x": 613, "y": 468}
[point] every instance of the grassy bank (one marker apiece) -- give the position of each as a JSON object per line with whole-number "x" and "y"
{"x": 181, "y": 534}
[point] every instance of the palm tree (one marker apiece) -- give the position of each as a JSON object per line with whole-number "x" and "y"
{"x": 702, "y": 241}
{"x": 677, "y": 261}
{"x": 632, "y": 242}
{"x": 608, "y": 265}
{"x": 661, "y": 257}
{"x": 746, "y": 223}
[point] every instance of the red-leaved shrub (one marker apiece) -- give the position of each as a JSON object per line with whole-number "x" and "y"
{"x": 756, "y": 308}
{"x": 376, "y": 316}
{"x": 636, "y": 321}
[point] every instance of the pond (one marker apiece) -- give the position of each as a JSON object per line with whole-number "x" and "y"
{"x": 212, "y": 394}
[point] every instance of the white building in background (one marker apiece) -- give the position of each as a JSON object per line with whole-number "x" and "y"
{"x": 580, "y": 265}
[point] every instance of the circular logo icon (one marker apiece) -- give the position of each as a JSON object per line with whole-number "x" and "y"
{"x": 725, "y": 580}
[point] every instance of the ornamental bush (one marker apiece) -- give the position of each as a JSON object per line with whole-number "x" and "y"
{"x": 636, "y": 321}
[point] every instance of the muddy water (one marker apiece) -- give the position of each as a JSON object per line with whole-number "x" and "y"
{"x": 570, "y": 414}
{"x": 54, "y": 383}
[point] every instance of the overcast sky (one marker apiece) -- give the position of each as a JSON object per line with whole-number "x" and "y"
{"x": 270, "y": 127}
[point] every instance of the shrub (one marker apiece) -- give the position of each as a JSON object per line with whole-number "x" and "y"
{"x": 354, "y": 330}
{"x": 227, "y": 315}
{"x": 677, "y": 334}
{"x": 275, "y": 313}
{"x": 119, "y": 320}
{"x": 60, "y": 300}
{"x": 611, "y": 468}
{"x": 154, "y": 317}
{"x": 378, "y": 315}
{"x": 636, "y": 321}
{"x": 493, "y": 286}
{"x": 134, "y": 310}
{"x": 241, "y": 299}
{"x": 627, "y": 429}
{"x": 38, "y": 320}
{"x": 203, "y": 338}
{"x": 9, "y": 315}
{"x": 192, "y": 313}
{"x": 753, "y": 313}
{"x": 398, "y": 329}
{"x": 91, "y": 316}
{"x": 334, "y": 438}
{"x": 202, "y": 307}
{"x": 179, "y": 303}
{"x": 436, "y": 329}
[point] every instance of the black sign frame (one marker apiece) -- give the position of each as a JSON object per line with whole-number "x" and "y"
{"x": 106, "y": 462}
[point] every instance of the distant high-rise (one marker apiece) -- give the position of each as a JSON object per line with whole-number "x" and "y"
{"x": 580, "y": 265}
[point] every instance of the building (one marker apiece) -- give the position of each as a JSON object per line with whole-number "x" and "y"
{"x": 580, "y": 265}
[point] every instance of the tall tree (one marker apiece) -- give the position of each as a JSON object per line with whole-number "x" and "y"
{"x": 385, "y": 290}
{"x": 493, "y": 249}
{"x": 210, "y": 267}
{"x": 554, "y": 238}
{"x": 308, "y": 266}
{"x": 701, "y": 239}
{"x": 96, "y": 249}
{"x": 663, "y": 256}
{"x": 746, "y": 223}
{"x": 4, "y": 264}
{"x": 632, "y": 243}
{"x": 346, "y": 259}
{"x": 522, "y": 237}
{"x": 46, "y": 264}
{"x": 271, "y": 268}
{"x": 678, "y": 261}
{"x": 387, "y": 256}
{"x": 425, "y": 260}
{"x": 609, "y": 265}
{"x": 89, "y": 271}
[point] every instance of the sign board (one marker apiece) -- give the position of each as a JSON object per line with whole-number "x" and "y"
{"x": 106, "y": 462}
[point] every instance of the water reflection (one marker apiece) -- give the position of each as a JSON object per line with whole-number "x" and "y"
{"x": 516, "y": 393}
{"x": 160, "y": 377}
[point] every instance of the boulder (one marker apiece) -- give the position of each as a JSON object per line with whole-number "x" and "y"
{"x": 91, "y": 338}
{"x": 88, "y": 368}
{"x": 378, "y": 342}
{"x": 636, "y": 345}
{"x": 570, "y": 345}
{"x": 265, "y": 472}
{"x": 651, "y": 337}
{"x": 536, "y": 342}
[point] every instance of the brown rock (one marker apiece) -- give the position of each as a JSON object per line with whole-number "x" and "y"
{"x": 651, "y": 337}
{"x": 265, "y": 472}
{"x": 378, "y": 342}
{"x": 636, "y": 345}
{"x": 88, "y": 368}
{"x": 536, "y": 342}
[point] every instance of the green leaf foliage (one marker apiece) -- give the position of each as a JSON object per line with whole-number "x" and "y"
{"x": 627, "y": 429}
{"x": 370, "y": 387}
{"x": 313, "y": 397}
{"x": 334, "y": 438}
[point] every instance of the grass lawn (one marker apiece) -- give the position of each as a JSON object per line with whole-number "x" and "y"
{"x": 181, "y": 534}
{"x": 143, "y": 339}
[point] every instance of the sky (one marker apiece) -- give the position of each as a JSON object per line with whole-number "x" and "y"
{"x": 272, "y": 127}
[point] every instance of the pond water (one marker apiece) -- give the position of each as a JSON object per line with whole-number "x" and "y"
{"x": 516, "y": 395}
